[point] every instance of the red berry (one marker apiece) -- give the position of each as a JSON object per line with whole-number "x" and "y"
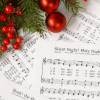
{"x": 9, "y": 9}
{"x": 18, "y": 11}
{"x": 4, "y": 29}
{"x": 11, "y": 29}
{"x": 3, "y": 48}
{"x": 3, "y": 17}
{"x": 19, "y": 40}
{"x": 6, "y": 41}
{"x": 10, "y": 36}
{"x": 12, "y": 24}
{"x": 16, "y": 46}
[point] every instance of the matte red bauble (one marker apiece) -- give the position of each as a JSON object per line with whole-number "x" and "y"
{"x": 55, "y": 22}
{"x": 48, "y": 5}
{"x": 9, "y": 9}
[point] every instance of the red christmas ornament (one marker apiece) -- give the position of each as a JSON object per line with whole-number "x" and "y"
{"x": 48, "y": 5}
{"x": 9, "y": 9}
{"x": 55, "y": 22}
{"x": 16, "y": 46}
{"x": 19, "y": 40}
{"x": 3, "y": 48}
{"x": 4, "y": 29}
{"x": 6, "y": 41}
{"x": 10, "y": 36}
{"x": 11, "y": 29}
{"x": 18, "y": 11}
{"x": 3, "y": 17}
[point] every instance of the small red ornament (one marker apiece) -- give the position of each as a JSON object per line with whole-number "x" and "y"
{"x": 48, "y": 5}
{"x": 3, "y": 48}
{"x": 18, "y": 11}
{"x": 3, "y": 17}
{"x": 10, "y": 36}
{"x": 19, "y": 40}
{"x": 16, "y": 46}
{"x": 6, "y": 41}
{"x": 9, "y": 9}
{"x": 11, "y": 29}
{"x": 4, "y": 29}
{"x": 55, "y": 22}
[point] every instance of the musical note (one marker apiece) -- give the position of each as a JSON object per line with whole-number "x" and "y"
{"x": 70, "y": 82}
{"x": 71, "y": 62}
{"x": 70, "y": 92}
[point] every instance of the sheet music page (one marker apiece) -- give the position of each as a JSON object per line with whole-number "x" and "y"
{"x": 16, "y": 65}
{"x": 85, "y": 26}
{"x": 67, "y": 71}
{"x": 12, "y": 91}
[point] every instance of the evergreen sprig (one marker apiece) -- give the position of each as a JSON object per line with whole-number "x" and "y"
{"x": 31, "y": 19}
{"x": 72, "y": 5}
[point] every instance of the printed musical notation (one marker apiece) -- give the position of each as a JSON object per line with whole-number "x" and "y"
{"x": 70, "y": 92}
{"x": 62, "y": 37}
{"x": 71, "y": 62}
{"x": 88, "y": 20}
{"x": 77, "y": 36}
{"x": 70, "y": 82}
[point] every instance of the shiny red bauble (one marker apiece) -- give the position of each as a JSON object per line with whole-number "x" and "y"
{"x": 19, "y": 40}
{"x": 3, "y": 48}
{"x": 9, "y": 9}
{"x": 4, "y": 29}
{"x": 48, "y": 5}
{"x": 6, "y": 41}
{"x": 18, "y": 11}
{"x": 11, "y": 29}
{"x": 3, "y": 17}
{"x": 55, "y": 22}
{"x": 10, "y": 36}
{"x": 16, "y": 46}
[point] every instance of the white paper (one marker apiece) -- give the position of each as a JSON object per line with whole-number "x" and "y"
{"x": 16, "y": 65}
{"x": 85, "y": 26}
{"x": 12, "y": 91}
{"x": 69, "y": 71}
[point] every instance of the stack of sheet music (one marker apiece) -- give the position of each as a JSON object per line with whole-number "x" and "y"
{"x": 62, "y": 66}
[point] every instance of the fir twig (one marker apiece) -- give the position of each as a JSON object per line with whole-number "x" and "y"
{"x": 31, "y": 19}
{"x": 72, "y": 5}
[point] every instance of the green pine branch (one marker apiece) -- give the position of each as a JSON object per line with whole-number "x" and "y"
{"x": 31, "y": 19}
{"x": 72, "y": 5}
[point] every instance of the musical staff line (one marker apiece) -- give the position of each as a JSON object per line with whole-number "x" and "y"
{"x": 79, "y": 37}
{"x": 70, "y": 92}
{"x": 70, "y": 82}
{"x": 71, "y": 62}
{"x": 88, "y": 20}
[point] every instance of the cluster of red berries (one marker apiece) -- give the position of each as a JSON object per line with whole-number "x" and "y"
{"x": 10, "y": 30}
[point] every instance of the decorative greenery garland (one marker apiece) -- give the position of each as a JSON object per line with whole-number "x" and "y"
{"x": 30, "y": 18}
